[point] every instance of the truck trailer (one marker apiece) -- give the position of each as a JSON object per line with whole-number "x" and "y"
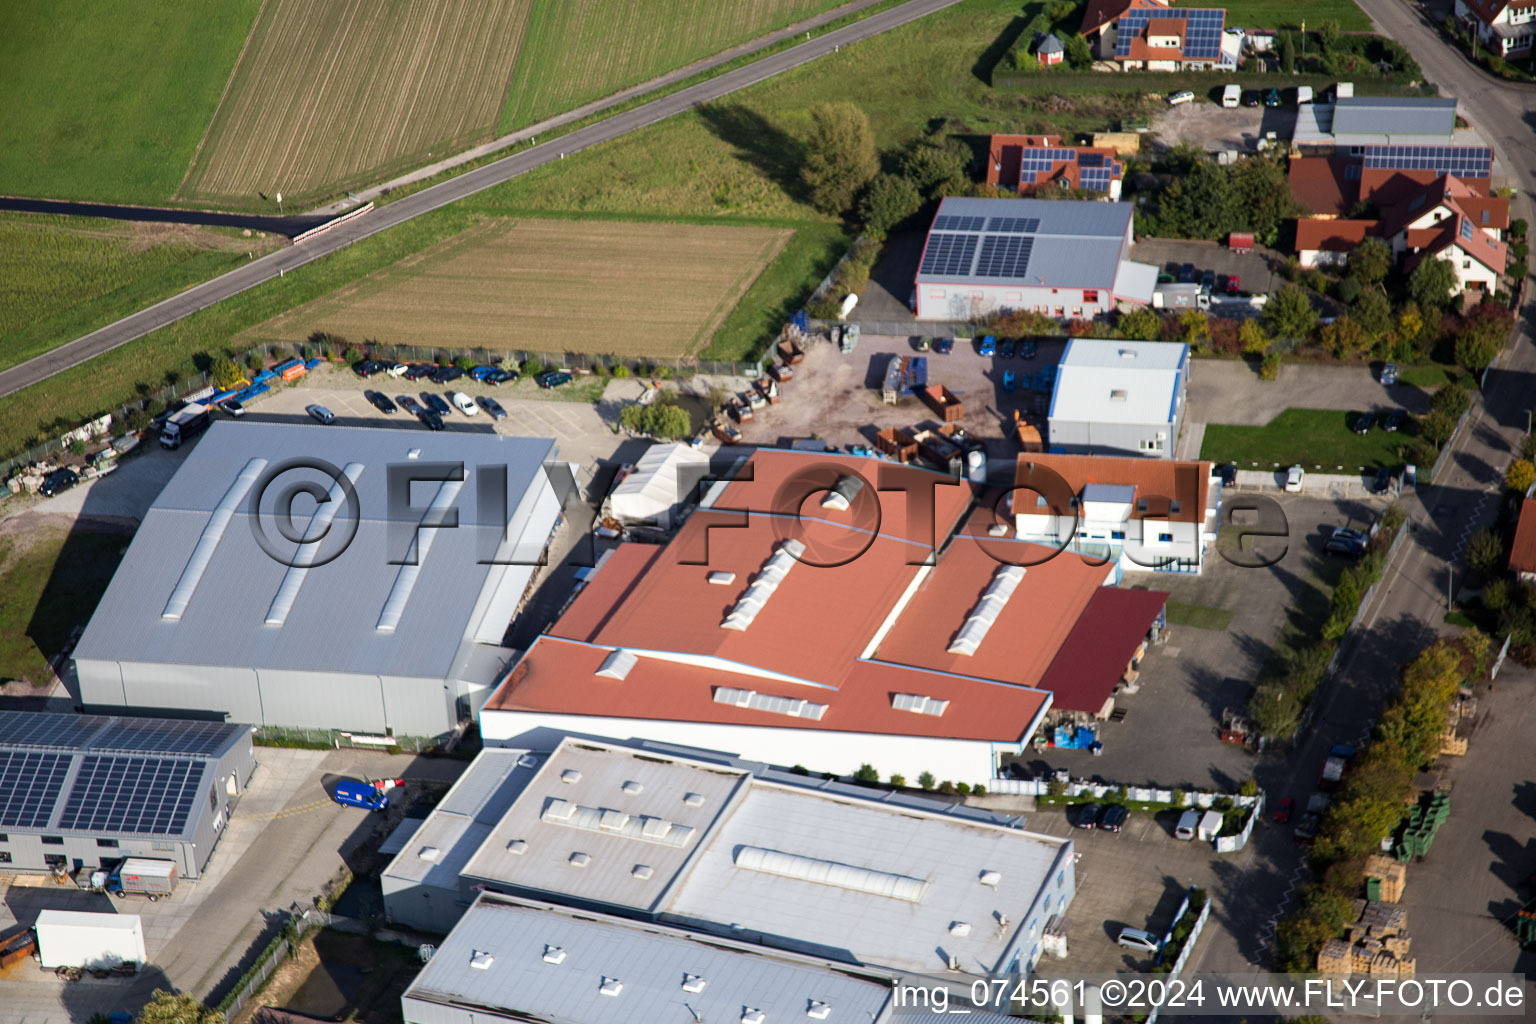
{"x": 72, "y": 938}
{"x": 185, "y": 424}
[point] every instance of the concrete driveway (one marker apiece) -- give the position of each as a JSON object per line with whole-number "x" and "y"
{"x": 1256, "y": 270}
{"x": 1230, "y": 392}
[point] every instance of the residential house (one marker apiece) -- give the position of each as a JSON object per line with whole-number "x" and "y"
{"x": 1147, "y": 35}
{"x": 1033, "y": 163}
{"x": 1522, "y": 554}
{"x": 1507, "y": 28}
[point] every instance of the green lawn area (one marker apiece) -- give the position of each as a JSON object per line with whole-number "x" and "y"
{"x": 50, "y": 581}
{"x": 1423, "y": 376}
{"x": 1198, "y": 616}
{"x": 1317, "y": 439}
{"x": 106, "y": 100}
{"x": 1279, "y": 14}
{"x": 61, "y": 277}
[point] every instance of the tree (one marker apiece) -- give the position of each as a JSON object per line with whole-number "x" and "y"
{"x": 898, "y": 780}
{"x": 1520, "y": 476}
{"x": 1140, "y": 324}
{"x": 1250, "y": 334}
{"x": 840, "y": 157}
{"x": 1262, "y": 195}
{"x": 659, "y": 419}
{"x": 1079, "y": 53}
{"x": 866, "y": 775}
{"x": 1345, "y": 338}
{"x": 1432, "y": 282}
{"x": 1436, "y": 427}
{"x": 926, "y": 780}
{"x": 1475, "y": 350}
{"x": 1194, "y": 329}
{"x": 932, "y": 166}
{"x": 1289, "y": 314}
{"x": 1370, "y": 261}
{"x": 889, "y": 200}
{"x": 1373, "y": 312}
{"x": 1328, "y": 34}
{"x": 1287, "y": 53}
{"x": 1452, "y": 399}
{"x": 226, "y": 374}
{"x": 170, "y": 1008}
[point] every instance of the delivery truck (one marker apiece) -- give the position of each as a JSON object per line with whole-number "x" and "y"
{"x": 140, "y": 876}
{"x": 185, "y": 424}
{"x": 361, "y": 794}
{"x": 72, "y": 938}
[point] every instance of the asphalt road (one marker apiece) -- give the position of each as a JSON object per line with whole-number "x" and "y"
{"x": 268, "y": 267}
{"x": 285, "y": 226}
{"x": 1409, "y": 609}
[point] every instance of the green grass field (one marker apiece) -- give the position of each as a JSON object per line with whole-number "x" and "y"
{"x": 1279, "y": 14}
{"x": 61, "y": 277}
{"x": 1198, "y": 616}
{"x": 106, "y": 100}
{"x": 1317, "y": 439}
{"x": 576, "y": 51}
{"x": 50, "y": 581}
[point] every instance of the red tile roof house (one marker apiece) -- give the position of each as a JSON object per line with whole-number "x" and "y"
{"x": 1505, "y": 28}
{"x": 742, "y": 635}
{"x": 1522, "y": 554}
{"x": 1050, "y": 164}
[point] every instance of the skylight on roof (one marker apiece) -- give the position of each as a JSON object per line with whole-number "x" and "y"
{"x": 617, "y": 823}
{"x": 794, "y": 707}
{"x": 919, "y": 704}
{"x": 829, "y": 872}
{"x": 761, "y": 589}
{"x": 1004, "y": 581}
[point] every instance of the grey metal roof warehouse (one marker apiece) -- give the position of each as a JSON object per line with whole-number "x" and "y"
{"x": 80, "y": 787}
{"x": 359, "y": 641}
{"x": 1038, "y": 242}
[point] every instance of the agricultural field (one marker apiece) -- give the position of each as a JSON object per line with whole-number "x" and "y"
{"x": 61, "y": 277}
{"x": 106, "y": 100}
{"x": 625, "y": 287}
{"x": 389, "y": 86}
{"x": 576, "y": 51}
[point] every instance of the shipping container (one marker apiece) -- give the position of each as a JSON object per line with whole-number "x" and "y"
{"x": 72, "y": 938}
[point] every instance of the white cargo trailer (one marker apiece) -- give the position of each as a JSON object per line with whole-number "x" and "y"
{"x": 71, "y": 938}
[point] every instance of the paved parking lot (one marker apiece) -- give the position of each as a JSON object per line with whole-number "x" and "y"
{"x": 1213, "y": 127}
{"x": 1229, "y": 391}
{"x": 1169, "y": 734}
{"x": 1258, "y": 271}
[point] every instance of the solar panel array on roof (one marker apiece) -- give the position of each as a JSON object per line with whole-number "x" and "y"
{"x": 165, "y": 736}
{"x": 1004, "y": 255}
{"x": 950, "y": 223}
{"x": 35, "y": 729}
{"x": 143, "y": 795}
{"x": 1036, "y": 162}
{"x": 949, "y": 253}
{"x": 29, "y": 786}
{"x": 1014, "y": 225}
{"x": 1202, "y": 30}
{"x": 1462, "y": 161}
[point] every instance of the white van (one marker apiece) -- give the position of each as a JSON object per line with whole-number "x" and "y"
{"x": 1231, "y": 96}
{"x": 1303, "y": 94}
{"x": 1189, "y": 825}
{"x": 1141, "y": 941}
{"x": 1210, "y": 825}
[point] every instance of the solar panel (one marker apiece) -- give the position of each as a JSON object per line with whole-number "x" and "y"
{"x": 45, "y": 729}
{"x": 949, "y": 222}
{"x": 1462, "y": 161}
{"x": 1004, "y": 255}
{"x": 1090, "y": 159}
{"x": 1014, "y": 225}
{"x": 949, "y": 254}
{"x": 1202, "y": 30}
{"x": 163, "y": 736}
{"x": 29, "y": 786}
{"x": 135, "y": 795}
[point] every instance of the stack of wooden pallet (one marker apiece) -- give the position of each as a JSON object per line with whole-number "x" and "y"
{"x": 1334, "y": 957}
{"x": 1383, "y": 920}
{"x": 1385, "y": 878}
{"x": 1376, "y": 943}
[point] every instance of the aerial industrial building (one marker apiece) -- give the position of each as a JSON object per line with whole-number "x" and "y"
{"x": 1119, "y": 398}
{"x": 81, "y": 791}
{"x": 400, "y": 632}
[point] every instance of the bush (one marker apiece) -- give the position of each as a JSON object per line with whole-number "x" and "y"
{"x": 154, "y": 406}
{"x": 1139, "y": 324}
{"x": 77, "y": 447}
{"x": 226, "y": 374}
{"x": 1518, "y": 227}
{"x": 1437, "y": 427}
{"x": 533, "y": 366}
{"x": 1249, "y": 787}
{"x": 1452, "y": 400}
{"x": 889, "y": 200}
{"x": 659, "y": 419}
{"x": 1485, "y": 554}
{"x": 978, "y": 790}
{"x": 963, "y": 788}
{"x": 1496, "y": 595}
{"x": 465, "y": 363}
{"x": 925, "y": 780}
{"x": 256, "y": 362}
{"x": 947, "y": 788}
{"x": 1347, "y": 290}
{"x": 620, "y": 371}
{"x": 352, "y": 356}
{"x": 138, "y": 420}
{"x": 898, "y": 780}
{"x": 1269, "y": 367}
{"x": 866, "y": 775}
{"x": 1521, "y": 475}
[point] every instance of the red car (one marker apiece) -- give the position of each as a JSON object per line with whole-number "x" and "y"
{"x": 1234, "y": 285}
{"x": 1284, "y": 810}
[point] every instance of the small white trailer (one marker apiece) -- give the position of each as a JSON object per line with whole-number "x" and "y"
{"x": 72, "y": 938}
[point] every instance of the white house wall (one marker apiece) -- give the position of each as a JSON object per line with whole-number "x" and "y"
{"x": 965, "y": 301}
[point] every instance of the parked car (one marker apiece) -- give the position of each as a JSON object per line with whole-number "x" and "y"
{"x": 321, "y": 414}
{"x": 1343, "y": 547}
{"x": 1182, "y": 96}
{"x": 1295, "y": 479}
{"x": 1208, "y": 281}
{"x": 1272, "y": 98}
{"x": 1139, "y": 940}
{"x": 1382, "y": 482}
{"x": 1350, "y": 534}
{"x": 1113, "y": 818}
{"x": 552, "y": 378}
{"x": 493, "y": 407}
{"x": 233, "y": 407}
{"x": 394, "y": 369}
{"x": 430, "y": 419}
{"x": 1188, "y": 826}
{"x": 1007, "y": 348}
{"x": 1227, "y": 474}
{"x": 446, "y": 374}
{"x": 380, "y": 402}
{"x": 410, "y": 405}
{"x": 462, "y": 402}
{"x": 1234, "y": 284}
{"x": 1306, "y": 829}
{"x": 1364, "y": 422}
{"x": 1165, "y": 279}
{"x": 500, "y": 376}
{"x": 481, "y": 372}
{"x": 1389, "y": 374}
{"x": 1187, "y": 274}
{"x": 1009, "y": 381}
{"x": 1251, "y": 98}
{"x": 365, "y": 369}
{"x": 943, "y": 346}
{"x": 1283, "y": 810}
{"x": 1027, "y": 348}
{"x": 1088, "y": 815}
{"x": 416, "y": 371}
{"x": 436, "y": 403}
{"x": 988, "y": 346}
{"x": 57, "y": 482}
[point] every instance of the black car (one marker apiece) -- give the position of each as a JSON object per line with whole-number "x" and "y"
{"x": 1088, "y": 815}
{"x": 367, "y": 368}
{"x": 1364, "y": 422}
{"x": 437, "y": 403}
{"x": 1208, "y": 281}
{"x": 380, "y": 402}
{"x": 410, "y": 405}
{"x": 416, "y": 371}
{"x": 57, "y": 482}
{"x": 1227, "y": 474}
{"x": 1113, "y": 817}
{"x": 492, "y": 406}
{"x": 430, "y": 419}
{"x": 1382, "y": 482}
{"x": 1343, "y": 547}
{"x": 1251, "y": 98}
{"x": 445, "y": 374}
{"x": 1187, "y": 274}
{"x": 553, "y": 378}
{"x": 1027, "y": 348}
{"x": 1394, "y": 420}
{"x": 500, "y": 376}
{"x": 1006, "y": 348}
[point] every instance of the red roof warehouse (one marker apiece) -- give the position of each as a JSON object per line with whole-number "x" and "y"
{"x": 832, "y": 611}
